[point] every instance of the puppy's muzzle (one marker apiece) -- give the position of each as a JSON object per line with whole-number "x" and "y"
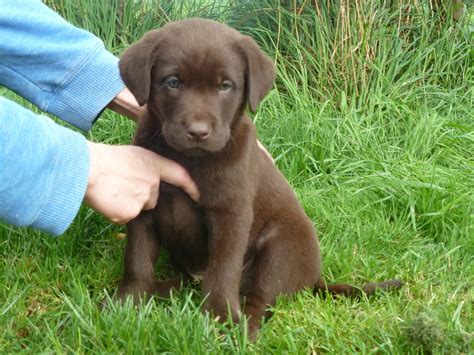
{"x": 198, "y": 132}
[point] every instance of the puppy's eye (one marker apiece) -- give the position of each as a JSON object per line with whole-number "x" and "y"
{"x": 226, "y": 86}
{"x": 173, "y": 82}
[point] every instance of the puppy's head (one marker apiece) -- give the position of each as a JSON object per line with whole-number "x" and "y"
{"x": 197, "y": 76}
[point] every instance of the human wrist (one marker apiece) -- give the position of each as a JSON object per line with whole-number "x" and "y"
{"x": 94, "y": 169}
{"x": 126, "y": 104}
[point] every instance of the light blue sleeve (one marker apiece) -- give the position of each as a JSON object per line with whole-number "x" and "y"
{"x": 61, "y": 69}
{"x": 64, "y": 71}
{"x": 44, "y": 170}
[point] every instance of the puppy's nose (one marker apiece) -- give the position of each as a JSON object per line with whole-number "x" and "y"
{"x": 198, "y": 131}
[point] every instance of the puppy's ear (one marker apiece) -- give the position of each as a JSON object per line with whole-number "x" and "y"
{"x": 260, "y": 73}
{"x": 136, "y": 63}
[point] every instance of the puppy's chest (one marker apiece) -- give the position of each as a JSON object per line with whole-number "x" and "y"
{"x": 220, "y": 185}
{"x": 181, "y": 228}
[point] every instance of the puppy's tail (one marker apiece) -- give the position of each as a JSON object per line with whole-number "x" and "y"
{"x": 352, "y": 291}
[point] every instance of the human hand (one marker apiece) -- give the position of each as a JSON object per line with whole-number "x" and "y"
{"x": 124, "y": 180}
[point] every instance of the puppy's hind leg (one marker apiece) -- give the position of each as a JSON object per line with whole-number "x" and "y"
{"x": 285, "y": 261}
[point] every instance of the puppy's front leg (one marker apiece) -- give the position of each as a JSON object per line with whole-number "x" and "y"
{"x": 229, "y": 233}
{"x": 140, "y": 257}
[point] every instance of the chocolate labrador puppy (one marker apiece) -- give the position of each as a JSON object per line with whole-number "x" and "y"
{"x": 248, "y": 238}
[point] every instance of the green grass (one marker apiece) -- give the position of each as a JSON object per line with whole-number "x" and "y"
{"x": 372, "y": 123}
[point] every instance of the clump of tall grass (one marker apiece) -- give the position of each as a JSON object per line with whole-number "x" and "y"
{"x": 356, "y": 50}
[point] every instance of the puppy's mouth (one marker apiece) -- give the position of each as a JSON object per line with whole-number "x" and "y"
{"x": 184, "y": 144}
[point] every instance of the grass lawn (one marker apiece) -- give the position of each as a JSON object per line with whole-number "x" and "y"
{"x": 372, "y": 122}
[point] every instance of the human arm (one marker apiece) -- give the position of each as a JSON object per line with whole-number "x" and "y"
{"x": 43, "y": 170}
{"x": 62, "y": 69}
{"x": 46, "y": 169}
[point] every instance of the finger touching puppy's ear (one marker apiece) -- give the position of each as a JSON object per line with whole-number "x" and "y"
{"x": 260, "y": 73}
{"x": 136, "y": 63}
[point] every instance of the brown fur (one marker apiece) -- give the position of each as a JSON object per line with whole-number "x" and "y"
{"x": 248, "y": 237}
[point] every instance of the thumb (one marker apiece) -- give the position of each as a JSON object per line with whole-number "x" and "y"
{"x": 174, "y": 174}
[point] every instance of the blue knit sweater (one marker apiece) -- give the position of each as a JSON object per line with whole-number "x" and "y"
{"x": 64, "y": 71}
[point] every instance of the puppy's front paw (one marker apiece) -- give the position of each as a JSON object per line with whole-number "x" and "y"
{"x": 138, "y": 291}
{"x": 221, "y": 308}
